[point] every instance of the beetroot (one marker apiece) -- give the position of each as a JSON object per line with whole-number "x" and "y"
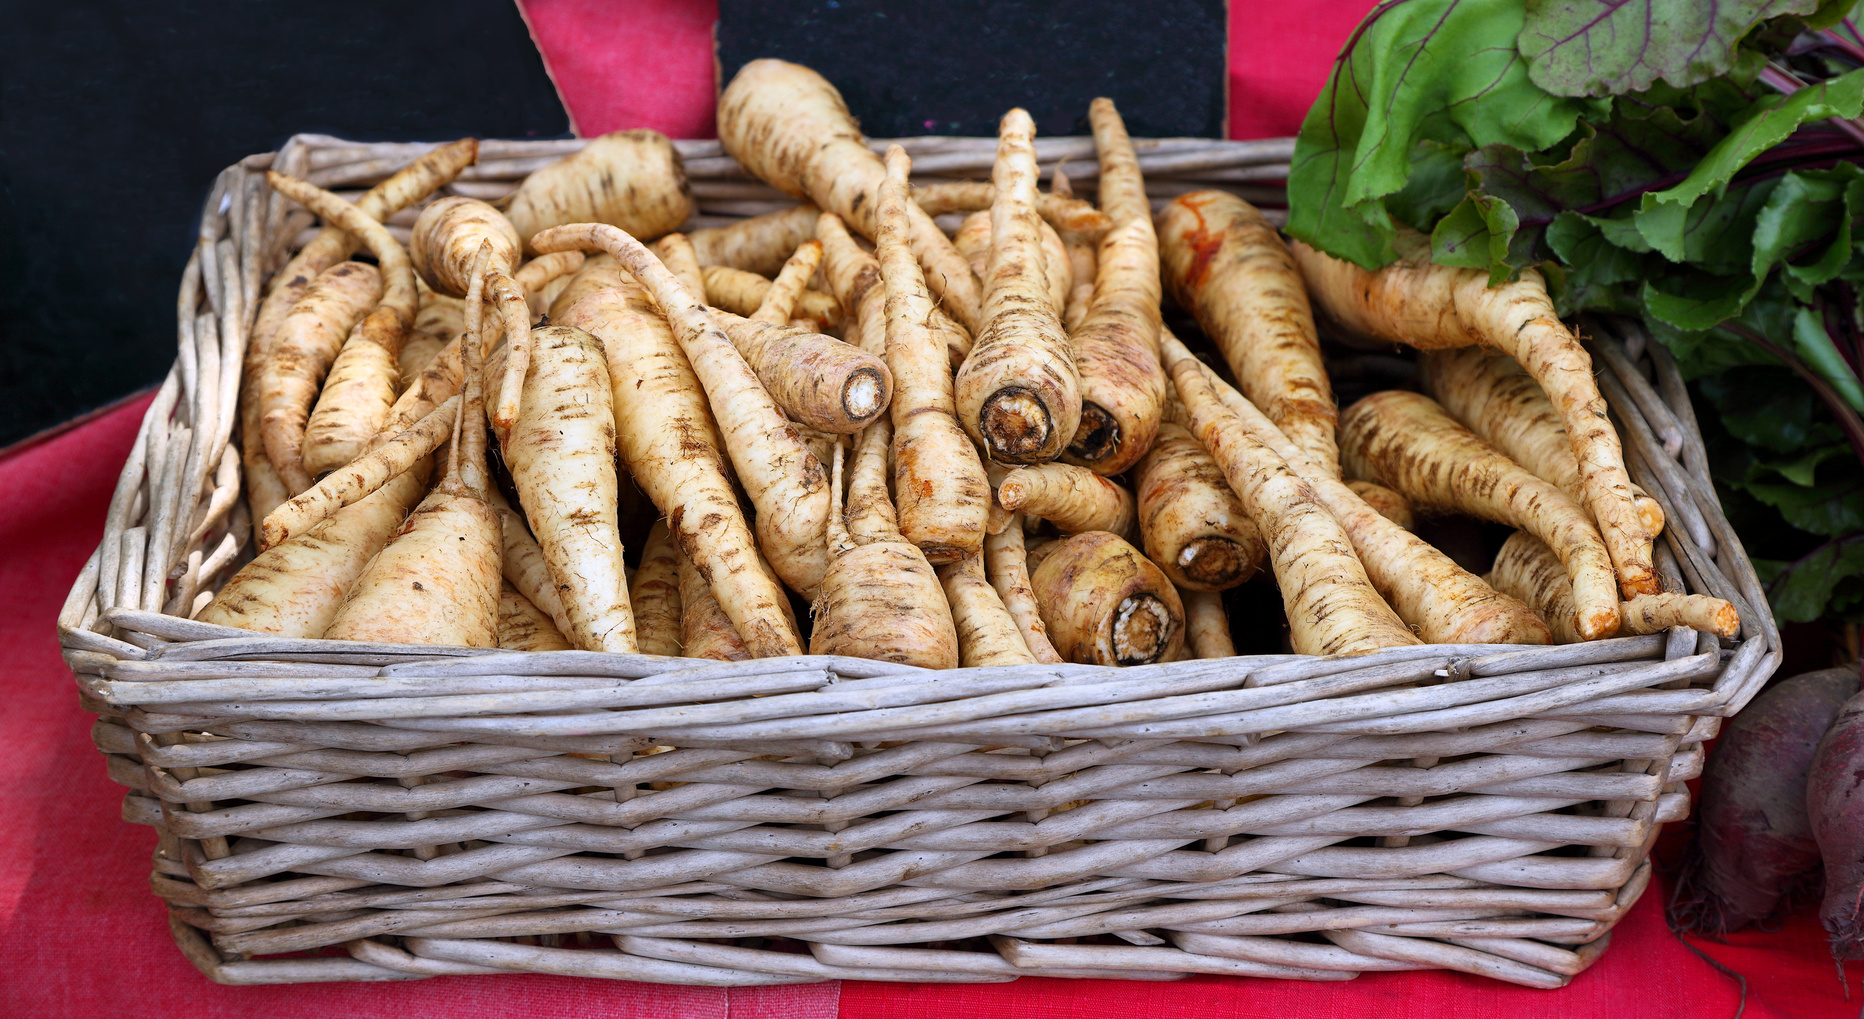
{"x": 1754, "y": 846}
{"x": 1835, "y": 806}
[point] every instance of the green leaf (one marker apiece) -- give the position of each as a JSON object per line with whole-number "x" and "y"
{"x": 1715, "y": 233}
{"x": 1803, "y": 470}
{"x": 1828, "y": 510}
{"x": 1437, "y": 185}
{"x": 1602, "y": 47}
{"x": 1441, "y": 69}
{"x": 1809, "y": 211}
{"x": 1775, "y": 118}
{"x": 1768, "y": 409}
{"x": 1816, "y": 348}
{"x": 1697, "y": 301}
{"x": 1476, "y": 235}
{"x": 1801, "y": 590}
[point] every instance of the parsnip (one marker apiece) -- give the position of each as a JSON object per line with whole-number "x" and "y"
{"x": 705, "y": 630}
{"x": 307, "y": 343}
{"x": 880, "y": 598}
{"x": 1207, "y": 626}
{"x": 357, "y": 397}
{"x": 1018, "y": 394}
{"x": 1433, "y": 307}
{"x": 741, "y": 293}
{"x": 1445, "y": 603}
{"x": 973, "y": 242}
{"x": 817, "y": 380}
{"x": 1190, "y": 521}
{"x": 1060, "y": 211}
{"x": 357, "y": 480}
{"x": 759, "y": 244}
{"x": 417, "y": 352}
{"x": 675, "y": 251}
{"x": 668, "y": 441}
{"x": 942, "y": 491}
{"x": 539, "y": 273}
{"x": 1072, "y": 498}
{"x": 1527, "y": 569}
{"x": 524, "y": 567}
{"x": 788, "y": 126}
{"x": 784, "y": 480}
{"x": 1006, "y": 563}
{"x": 628, "y": 179}
{"x": 1106, "y": 604}
{"x": 791, "y": 281}
{"x": 654, "y": 594}
{"x": 987, "y": 634}
{"x": 524, "y": 627}
{"x": 1406, "y": 442}
{"x": 1116, "y": 343}
{"x": 1389, "y": 504}
{"x": 598, "y": 273}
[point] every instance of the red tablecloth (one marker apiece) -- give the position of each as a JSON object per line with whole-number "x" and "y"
{"x": 81, "y": 935}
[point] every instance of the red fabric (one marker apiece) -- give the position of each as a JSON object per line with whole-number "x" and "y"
{"x": 80, "y": 933}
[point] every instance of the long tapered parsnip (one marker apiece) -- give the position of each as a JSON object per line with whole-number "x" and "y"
{"x": 654, "y": 593}
{"x": 787, "y": 125}
{"x": 675, "y": 251}
{"x": 789, "y": 284}
{"x": 973, "y": 242}
{"x": 561, "y": 453}
{"x": 417, "y": 352}
{"x": 1018, "y": 393}
{"x": 295, "y": 587}
{"x": 1443, "y": 602}
{"x": 1107, "y": 604}
{"x": 1116, "y": 343}
{"x": 1190, "y": 521}
{"x": 598, "y": 273}
{"x": 306, "y": 345}
{"x": 358, "y": 479}
{"x": 1207, "y": 625}
{"x": 1060, "y": 211}
{"x": 1006, "y": 563}
{"x": 1231, "y": 270}
{"x": 784, "y": 480}
{"x": 522, "y": 626}
{"x": 536, "y": 275}
{"x": 1431, "y": 307}
{"x": 524, "y": 567}
{"x": 1072, "y": 498}
{"x": 742, "y": 293}
{"x": 941, "y": 488}
{"x": 1500, "y": 401}
{"x": 1527, "y": 569}
{"x": 436, "y": 384}
{"x": 880, "y": 598}
{"x": 817, "y": 380}
{"x": 669, "y": 443}
{"x": 759, "y": 244}
{"x": 630, "y": 179}
{"x": 1389, "y": 504}
{"x": 437, "y": 582}
{"x": 447, "y": 239}
{"x": 705, "y": 630}
{"x": 357, "y": 396}
{"x": 1407, "y": 442}
{"x": 1331, "y": 605}
{"x": 987, "y": 633}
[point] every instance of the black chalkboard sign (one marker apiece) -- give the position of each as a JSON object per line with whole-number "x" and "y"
{"x": 952, "y": 67}
{"x": 115, "y": 115}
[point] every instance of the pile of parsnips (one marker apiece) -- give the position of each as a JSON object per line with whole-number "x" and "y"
{"x": 980, "y": 448}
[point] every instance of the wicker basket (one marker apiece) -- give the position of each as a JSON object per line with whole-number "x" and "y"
{"x": 403, "y": 811}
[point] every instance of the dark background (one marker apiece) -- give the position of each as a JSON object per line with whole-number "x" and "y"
{"x": 115, "y": 117}
{"x": 950, "y": 66}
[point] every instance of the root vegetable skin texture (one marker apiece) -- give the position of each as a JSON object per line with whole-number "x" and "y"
{"x": 789, "y": 284}
{"x": 1443, "y": 602}
{"x": 987, "y": 634}
{"x": 973, "y": 242}
{"x": 1106, "y": 604}
{"x": 817, "y": 380}
{"x": 628, "y": 179}
{"x": 669, "y": 443}
{"x": 742, "y": 293}
{"x": 880, "y": 598}
{"x": 1755, "y": 842}
{"x": 942, "y": 491}
{"x": 1006, "y": 563}
{"x": 1389, "y": 504}
{"x": 1062, "y": 212}
{"x": 788, "y": 126}
{"x": 705, "y": 630}
{"x": 1018, "y": 393}
{"x": 1207, "y": 626}
{"x": 360, "y": 478}
{"x": 598, "y": 273}
{"x": 1116, "y": 343}
{"x": 784, "y": 480}
{"x": 417, "y": 353}
{"x": 1331, "y": 605}
{"x": 1408, "y": 443}
{"x": 539, "y": 273}
{"x": 561, "y": 453}
{"x": 307, "y": 344}
{"x": 1835, "y": 806}
{"x": 759, "y": 244}
{"x": 447, "y": 238}
{"x": 655, "y": 594}
{"x": 1230, "y": 268}
{"x": 524, "y": 627}
{"x": 523, "y": 566}
{"x": 1074, "y": 499}
{"x": 357, "y": 397}
{"x": 675, "y": 251}
{"x": 1432, "y": 307}
{"x": 1190, "y": 521}
{"x": 294, "y": 588}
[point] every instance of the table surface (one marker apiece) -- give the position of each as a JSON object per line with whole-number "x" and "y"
{"x": 82, "y": 935}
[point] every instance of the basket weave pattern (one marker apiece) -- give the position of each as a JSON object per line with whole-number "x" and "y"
{"x": 452, "y": 811}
